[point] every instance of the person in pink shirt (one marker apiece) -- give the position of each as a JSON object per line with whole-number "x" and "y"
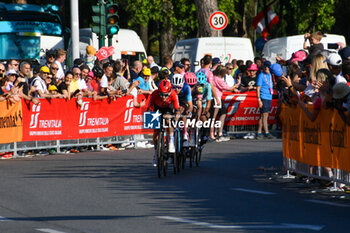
{"x": 207, "y": 61}
{"x": 220, "y": 86}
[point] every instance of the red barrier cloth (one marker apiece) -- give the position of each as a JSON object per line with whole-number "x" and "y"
{"x": 59, "y": 119}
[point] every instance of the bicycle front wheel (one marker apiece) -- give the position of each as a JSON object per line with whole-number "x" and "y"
{"x": 160, "y": 154}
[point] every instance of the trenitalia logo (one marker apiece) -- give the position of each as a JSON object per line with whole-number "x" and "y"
{"x": 232, "y": 103}
{"x": 34, "y": 117}
{"x": 128, "y": 112}
{"x": 84, "y": 108}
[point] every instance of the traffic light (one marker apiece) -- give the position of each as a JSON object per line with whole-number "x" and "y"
{"x": 112, "y": 18}
{"x": 99, "y": 20}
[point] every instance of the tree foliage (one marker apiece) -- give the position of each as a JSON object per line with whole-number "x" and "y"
{"x": 312, "y": 15}
{"x": 179, "y": 17}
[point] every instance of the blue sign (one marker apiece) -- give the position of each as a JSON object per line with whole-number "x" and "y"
{"x": 151, "y": 120}
{"x": 46, "y": 28}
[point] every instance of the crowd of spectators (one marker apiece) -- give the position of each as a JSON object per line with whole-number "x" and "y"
{"x": 312, "y": 75}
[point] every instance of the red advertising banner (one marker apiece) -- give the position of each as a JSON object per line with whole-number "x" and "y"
{"x": 242, "y": 108}
{"x": 59, "y": 119}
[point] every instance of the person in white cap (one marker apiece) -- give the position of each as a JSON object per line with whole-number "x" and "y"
{"x": 12, "y": 75}
{"x": 341, "y": 92}
{"x": 334, "y": 62}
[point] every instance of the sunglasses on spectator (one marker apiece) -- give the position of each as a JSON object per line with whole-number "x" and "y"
{"x": 164, "y": 94}
{"x": 230, "y": 68}
{"x": 77, "y": 74}
{"x": 177, "y": 87}
{"x": 2, "y": 70}
{"x": 53, "y": 68}
{"x": 17, "y": 64}
{"x": 46, "y": 73}
{"x": 187, "y": 64}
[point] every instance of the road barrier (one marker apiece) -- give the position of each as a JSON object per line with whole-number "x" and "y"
{"x": 311, "y": 148}
{"x": 57, "y": 123}
{"x": 243, "y": 112}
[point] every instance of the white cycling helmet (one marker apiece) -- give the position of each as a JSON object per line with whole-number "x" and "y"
{"x": 177, "y": 80}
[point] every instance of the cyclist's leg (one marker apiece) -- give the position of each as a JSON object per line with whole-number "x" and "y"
{"x": 170, "y": 130}
{"x": 184, "y": 119}
{"x": 192, "y": 130}
{"x": 155, "y": 143}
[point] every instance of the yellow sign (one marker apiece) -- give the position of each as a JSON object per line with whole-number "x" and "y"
{"x": 324, "y": 142}
{"x": 11, "y": 123}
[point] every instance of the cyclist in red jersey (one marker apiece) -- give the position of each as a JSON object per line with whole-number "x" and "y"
{"x": 166, "y": 101}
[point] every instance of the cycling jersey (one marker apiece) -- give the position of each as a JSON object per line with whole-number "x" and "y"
{"x": 197, "y": 93}
{"x": 209, "y": 74}
{"x": 202, "y": 93}
{"x": 207, "y": 94}
{"x": 157, "y": 102}
{"x": 185, "y": 94}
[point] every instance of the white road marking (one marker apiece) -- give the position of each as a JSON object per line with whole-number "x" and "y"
{"x": 328, "y": 203}
{"x": 281, "y": 226}
{"x": 253, "y": 191}
{"x": 4, "y": 219}
{"x": 47, "y": 230}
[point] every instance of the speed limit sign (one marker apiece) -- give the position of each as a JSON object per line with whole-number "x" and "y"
{"x": 218, "y": 20}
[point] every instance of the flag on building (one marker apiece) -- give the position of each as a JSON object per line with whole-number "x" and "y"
{"x": 259, "y": 22}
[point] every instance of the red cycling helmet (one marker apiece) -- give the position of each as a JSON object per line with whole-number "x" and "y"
{"x": 164, "y": 86}
{"x": 191, "y": 78}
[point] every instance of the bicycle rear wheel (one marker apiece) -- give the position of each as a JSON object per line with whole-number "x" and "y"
{"x": 176, "y": 154}
{"x": 197, "y": 144}
{"x": 160, "y": 154}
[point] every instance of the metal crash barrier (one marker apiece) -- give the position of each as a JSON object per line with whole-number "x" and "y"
{"x": 60, "y": 123}
{"x": 318, "y": 149}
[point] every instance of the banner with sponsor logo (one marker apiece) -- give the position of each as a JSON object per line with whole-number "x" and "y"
{"x": 11, "y": 123}
{"x": 242, "y": 108}
{"x": 59, "y": 119}
{"x": 324, "y": 142}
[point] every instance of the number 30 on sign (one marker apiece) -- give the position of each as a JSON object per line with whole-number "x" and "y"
{"x": 218, "y": 20}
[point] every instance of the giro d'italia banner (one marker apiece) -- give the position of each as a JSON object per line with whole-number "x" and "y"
{"x": 324, "y": 142}
{"x": 242, "y": 108}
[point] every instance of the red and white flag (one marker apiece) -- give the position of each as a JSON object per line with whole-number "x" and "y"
{"x": 259, "y": 22}
{"x": 104, "y": 53}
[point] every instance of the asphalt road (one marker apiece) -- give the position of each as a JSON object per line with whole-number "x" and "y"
{"x": 109, "y": 192}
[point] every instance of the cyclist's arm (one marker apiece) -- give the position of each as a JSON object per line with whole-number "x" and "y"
{"x": 190, "y": 106}
{"x": 207, "y": 108}
{"x": 151, "y": 103}
{"x": 199, "y": 109}
{"x": 209, "y": 97}
{"x": 175, "y": 100}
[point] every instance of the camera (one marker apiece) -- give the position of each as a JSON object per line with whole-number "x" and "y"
{"x": 332, "y": 46}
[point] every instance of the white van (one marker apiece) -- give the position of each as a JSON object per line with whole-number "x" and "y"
{"x": 225, "y": 48}
{"x": 127, "y": 44}
{"x": 285, "y": 46}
